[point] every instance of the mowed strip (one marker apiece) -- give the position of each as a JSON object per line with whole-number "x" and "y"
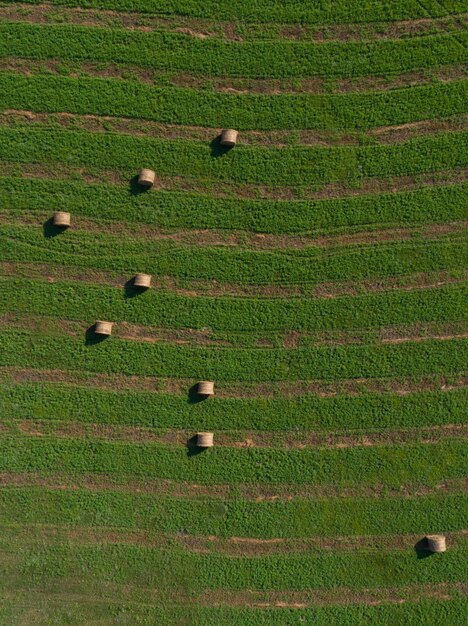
{"x": 301, "y": 166}
{"x": 392, "y": 465}
{"x": 120, "y": 356}
{"x": 100, "y": 251}
{"x": 431, "y": 204}
{"x": 19, "y": 605}
{"x": 246, "y": 111}
{"x": 161, "y": 309}
{"x": 367, "y": 414}
{"x": 204, "y": 28}
{"x": 194, "y": 573}
{"x": 277, "y": 11}
{"x": 275, "y": 59}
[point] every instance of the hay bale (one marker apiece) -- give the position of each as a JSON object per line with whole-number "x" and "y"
{"x": 146, "y": 178}
{"x": 436, "y": 543}
{"x": 61, "y": 219}
{"x": 206, "y": 388}
{"x": 228, "y": 137}
{"x": 103, "y": 328}
{"x": 205, "y": 440}
{"x": 142, "y": 280}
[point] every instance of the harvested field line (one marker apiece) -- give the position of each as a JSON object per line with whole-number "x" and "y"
{"x": 46, "y": 13}
{"x": 211, "y": 57}
{"x": 391, "y": 465}
{"x": 231, "y": 439}
{"x": 276, "y": 11}
{"x": 247, "y": 111}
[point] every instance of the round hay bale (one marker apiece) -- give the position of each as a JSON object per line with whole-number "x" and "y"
{"x": 142, "y": 280}
{"x": 205, "y": 440}
{"x": 61, "y": 219}
{"x": 436, "y": 543}
{"x": 103, "y": 328}
{"x": 146, "y": 178}
{"x": 206, "y": 388}
{"x": 228, "y": 137}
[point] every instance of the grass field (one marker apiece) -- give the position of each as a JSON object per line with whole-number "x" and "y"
{"x": 316, "y": 272}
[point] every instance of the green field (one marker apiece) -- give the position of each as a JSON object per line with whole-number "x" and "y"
{"x": 316, "y": 273}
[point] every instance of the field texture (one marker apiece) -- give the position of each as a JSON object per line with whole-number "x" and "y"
{"x": 316, "y": 272}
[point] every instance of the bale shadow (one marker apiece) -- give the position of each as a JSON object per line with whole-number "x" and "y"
{"x": 50, "y": 230}
{"x": 194, "y": 397}
{"x": 192, "y": 448}
{"x": 135, "y": 188}
{"x": 92, "y": 338}
{"x": 422, "y": 550}
{"x": 217, "y": 150}
{"x": 131, "y": 290}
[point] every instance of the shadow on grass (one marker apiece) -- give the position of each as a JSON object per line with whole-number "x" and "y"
{"x": 135, "y": 188}
{"x": 92, "y": 338}
{"x": 217, "y": 150}
{"x": 50, "y": 230}
{"x": 422, "y": 550}
{"x": 131, "y": 290}
{"x": 192, "y": 448}
{"x": 194, "y": 397}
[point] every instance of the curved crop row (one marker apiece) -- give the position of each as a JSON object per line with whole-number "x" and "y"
{"x": 174, "y": 209}
{"x": 359, "y": 111}
{"x": 160, "y": 50}
{"x": 312, "y": 166}
{"x": 78, "y": 301}
{"x": 287, "y": 11}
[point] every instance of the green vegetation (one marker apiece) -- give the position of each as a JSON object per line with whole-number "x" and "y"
{"x": 296, "y": 518}
{"x": 173, "y": 105}
{"x": 174, "y": 209}
{"x": 302, "y": 166}
{"x": 338, "y": 420}
{"x": 289, "y": 11}
{"x": 371, "y": 411}
{"x": 74, "y": 301}
{"x": 214, "y": 57}
{"x": 19, "y": 348}
{"x": 426, "y": 464}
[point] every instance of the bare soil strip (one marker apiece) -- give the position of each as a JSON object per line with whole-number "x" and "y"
{"x": 274, "y": 138}
{"x": 243, "y": 239}
{"x": 114, "y": 382}
{"x": 266, "y": 86}
{"x": 255, "y": 492}
{"x": 235, "y": 439}
{"x": 232, "y": 546}
{"x": 186, "y": 336}
{"x": 212, "y": 289}
{"x": 47, "y": 13}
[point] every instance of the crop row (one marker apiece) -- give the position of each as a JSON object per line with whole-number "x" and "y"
{"x": 194, "y": 573}
{"x": 17, "y": 607}
{"x": 20, "y": 348}
{"x": 286, "y": 11}
{"x": 427, "y": 464}
{"x": 80, "y": 301}
{"x": 173, "y": 105}
{"x": 214, "y": 57}
{"x": 48, "y": 609}
{"x": 372, "y": 411}
{"x": 228, "y": 264}
{"x": 302, "y": 166}
{"x": 173, "y": 209}
{"x": 296, "y": 518}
